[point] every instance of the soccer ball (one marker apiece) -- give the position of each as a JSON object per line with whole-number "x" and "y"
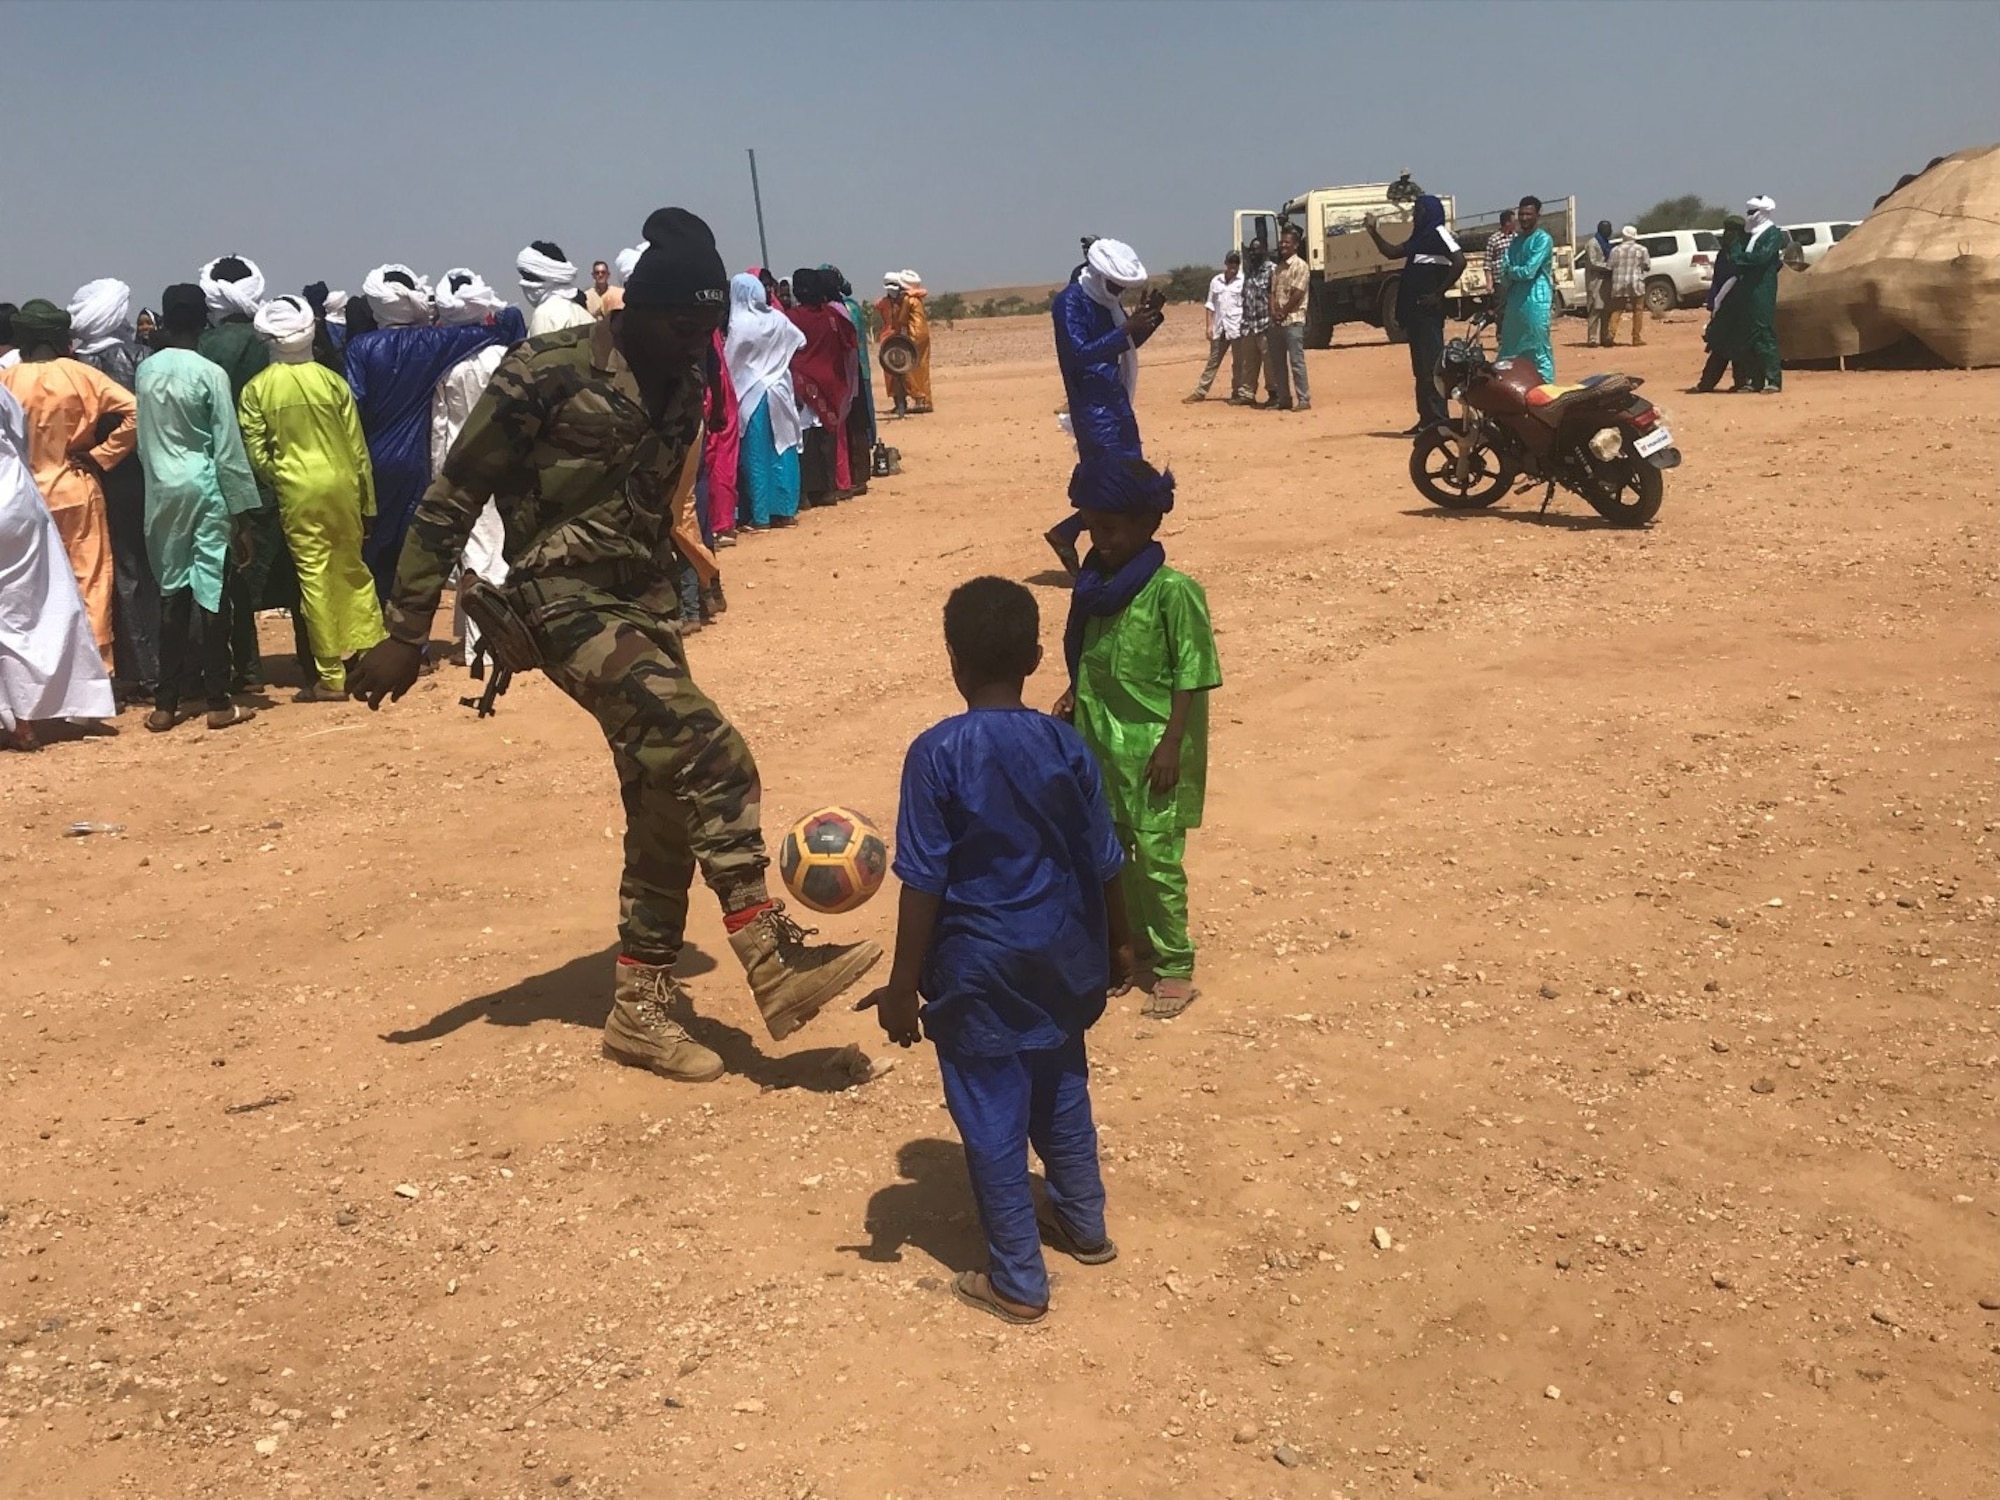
{"x": 833, "y": 860}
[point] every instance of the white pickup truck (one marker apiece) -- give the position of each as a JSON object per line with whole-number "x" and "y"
{"x": 1353, "y": 283}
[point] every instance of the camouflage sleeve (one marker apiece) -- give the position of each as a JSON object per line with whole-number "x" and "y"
{"x": 492, "y": 455}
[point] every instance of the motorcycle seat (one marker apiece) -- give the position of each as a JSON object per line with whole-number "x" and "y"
{"x": 1553, "y": 402}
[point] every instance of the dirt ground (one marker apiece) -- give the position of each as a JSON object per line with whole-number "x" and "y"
{"x": 1604, "y": 922}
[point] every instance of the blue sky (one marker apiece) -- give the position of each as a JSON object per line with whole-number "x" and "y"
{"x": 972, "y": 141}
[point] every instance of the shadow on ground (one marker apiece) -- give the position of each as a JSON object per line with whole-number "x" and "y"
{"x": 930, "y": 1210}
{"x": 1562, "y": 520}
{"x": 579, "y": 994}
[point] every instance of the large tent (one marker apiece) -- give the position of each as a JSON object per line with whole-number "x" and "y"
{"x": 1925, "y": 265}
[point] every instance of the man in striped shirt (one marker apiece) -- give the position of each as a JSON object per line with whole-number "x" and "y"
{"x": 1496, "y": 252}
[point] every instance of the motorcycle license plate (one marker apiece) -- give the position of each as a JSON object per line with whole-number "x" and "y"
{"x": 1653, "y": 442}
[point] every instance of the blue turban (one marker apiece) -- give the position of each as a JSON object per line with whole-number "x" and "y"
{"x": 1121, "y": 486}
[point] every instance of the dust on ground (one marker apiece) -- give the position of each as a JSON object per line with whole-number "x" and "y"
{"x": 1593, "y": 1092}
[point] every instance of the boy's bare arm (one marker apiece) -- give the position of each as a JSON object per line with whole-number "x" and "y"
{"x": 1118, "y": 931}
{"x": 1163, "y": 770}
{"x": 895, "y": 1003}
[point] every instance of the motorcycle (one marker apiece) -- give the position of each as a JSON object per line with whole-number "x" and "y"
{"x": 1598, "y": 439}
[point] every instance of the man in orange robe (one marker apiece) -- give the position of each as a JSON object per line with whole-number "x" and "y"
{"x": 902, "y": 310}
{"x": 80, "y": 424}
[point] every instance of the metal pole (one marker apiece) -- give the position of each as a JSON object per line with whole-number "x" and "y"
{"x": 757, "y": 196}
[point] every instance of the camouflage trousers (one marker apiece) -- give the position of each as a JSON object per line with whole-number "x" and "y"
{"x": 689, "y": 783}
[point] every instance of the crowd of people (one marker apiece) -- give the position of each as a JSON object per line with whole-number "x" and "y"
{"x": 234, "y": 451}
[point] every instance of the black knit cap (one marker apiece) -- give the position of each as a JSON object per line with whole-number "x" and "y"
{"x": 681, "y": 266}
{"x": 183, "y": 307}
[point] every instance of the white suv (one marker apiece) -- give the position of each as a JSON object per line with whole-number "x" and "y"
{"x": 1811, "y": 241}
{"x": 1683, "y": 267}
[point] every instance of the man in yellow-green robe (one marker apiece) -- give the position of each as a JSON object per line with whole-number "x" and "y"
{"x": 304, "y": 439}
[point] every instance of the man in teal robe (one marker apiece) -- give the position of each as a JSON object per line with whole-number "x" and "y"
{"x": 1530, "y": 291}
{"x": 198, "y": 488}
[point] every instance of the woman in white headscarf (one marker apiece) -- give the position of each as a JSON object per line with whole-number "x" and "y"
{"x": 1756, "y": 292}
{"x": 103, "y": 336}
{"x": 758, "y": 350}
{"x": 303, "y": 437}
{"x": 548, "y": 281}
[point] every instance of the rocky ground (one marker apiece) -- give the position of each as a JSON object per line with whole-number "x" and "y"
{"x": 1593, "y": 1092}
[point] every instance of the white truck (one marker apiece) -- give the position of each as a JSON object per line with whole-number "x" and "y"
{"x": 1352, "y": 282}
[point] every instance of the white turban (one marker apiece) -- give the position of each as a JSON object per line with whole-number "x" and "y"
{"x": 100, "y": 315}
{"x": 286, "y": 324}
{"x": 396, "y": 305}
{"x": 628, "y": 260}
{"x": 474, "y": 302}
{"x": 1114, "y": 260}
{"x": 542, "y": 278}
{"x": 336, "y": 307}
{"x": 229, "y": 298}
{"x": 1629, "y": 232}
{"x": 908, "y": 280}
{"x": 1757, "y": 215}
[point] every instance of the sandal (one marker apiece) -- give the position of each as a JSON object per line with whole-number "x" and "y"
{"x": 228, "y": 718}
{"x": 975, "y": 1289}
{"x": 160, "y": 720}
{"x": 1056, "y": 1235}
{"x": 319, "y": 692}
{"x": 1169, "y": 998}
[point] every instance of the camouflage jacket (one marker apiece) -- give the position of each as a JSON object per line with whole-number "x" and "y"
{"x": 562, "y": 444}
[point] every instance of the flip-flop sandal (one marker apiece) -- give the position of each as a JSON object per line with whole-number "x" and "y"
{"x": 229, "y": 718}
{"x": 1165, "y": 1007}
{"x": 975, "y": 1290}
{"x": 1056, "y": 1235}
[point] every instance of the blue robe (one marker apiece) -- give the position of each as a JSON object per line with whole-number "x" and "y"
{"x": 1088, "y": 347}
{"x": 1524, "y": 333}
{"x": 394, "y": 372}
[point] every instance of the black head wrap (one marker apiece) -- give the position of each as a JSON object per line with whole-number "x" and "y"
{"x": 811, "y": 287}
{"x": 315, "y": 296}
{"x": 7, "y": 311}
{"x": 681, "y": 266}
{"x": 183, "y": 308}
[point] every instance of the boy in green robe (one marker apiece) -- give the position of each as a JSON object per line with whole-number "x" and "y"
{"x": 1142, "y": 660}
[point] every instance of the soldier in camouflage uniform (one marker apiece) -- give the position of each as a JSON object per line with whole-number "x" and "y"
{"x": 579, "y": 440}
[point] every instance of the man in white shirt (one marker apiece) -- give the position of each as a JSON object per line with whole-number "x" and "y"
{"x": 1225, "y": 321}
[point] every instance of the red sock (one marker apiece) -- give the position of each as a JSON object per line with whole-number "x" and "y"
{"x": 735, "y": 921}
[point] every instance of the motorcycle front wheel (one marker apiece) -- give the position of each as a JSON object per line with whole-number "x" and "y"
{"x": 1627, "y": 491}
{"x": 1434, "y": 470}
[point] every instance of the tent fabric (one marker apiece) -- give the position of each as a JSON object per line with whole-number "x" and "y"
{"x": 1925, "y": 265}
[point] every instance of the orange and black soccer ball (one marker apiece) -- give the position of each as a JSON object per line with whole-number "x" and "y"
{"x": 833, "y": 860}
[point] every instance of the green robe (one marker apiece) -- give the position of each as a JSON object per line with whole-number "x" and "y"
{"x": 304, "y": 440}
{"x": 1756, "y": 297}
{"x": 197, "y": 477}
{"x": 267, "y": 580}
{"x": 1133, "y": 663}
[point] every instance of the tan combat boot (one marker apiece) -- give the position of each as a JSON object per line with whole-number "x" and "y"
{"x": 641, "y": 1032}
{"x": 793, "y": 980}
